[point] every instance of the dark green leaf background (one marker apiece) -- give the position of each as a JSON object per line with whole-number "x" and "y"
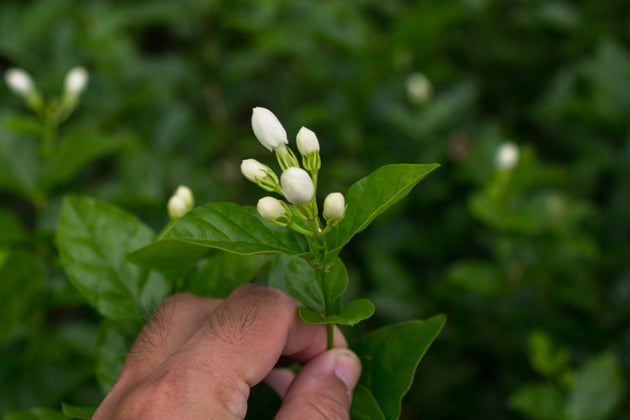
{"x": 539, "y": 250}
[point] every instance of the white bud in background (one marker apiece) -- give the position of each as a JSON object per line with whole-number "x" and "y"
{"x": 334, "y": 205}
{"x": 76, "y": 81}
{"x": 177, "y": 207}
{"x": 307, "y": 141}
{"x": 19, "y": 81}
{"x": 253, "y": 170}
{"x": 270, "y": 208}
{"x": 418, "y": 88}
{"x": 297, "y": 185}
{"x": 267, "y": 128}
{"x": 186, "y": 195}
{"x": 507, "y": 156}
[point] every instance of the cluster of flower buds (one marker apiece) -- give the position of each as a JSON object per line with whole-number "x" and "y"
{"x": 296, "y": 184}
{"x": 180, "y": 203}
{"x": 22, "y": 84}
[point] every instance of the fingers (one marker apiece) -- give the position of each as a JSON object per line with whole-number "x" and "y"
{"x": 323, "y": 388}
{"x": 248, "y": 332}
{"x": 177, "y": 318}
{"x": 279, "y": 380}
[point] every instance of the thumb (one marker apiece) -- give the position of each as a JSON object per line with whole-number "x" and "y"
{"x": 323, "y": 388}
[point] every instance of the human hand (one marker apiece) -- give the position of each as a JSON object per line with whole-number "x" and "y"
{"x": 197, "y": 358}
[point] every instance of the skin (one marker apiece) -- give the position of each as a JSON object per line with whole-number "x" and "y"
{"x": 197, "y": 358}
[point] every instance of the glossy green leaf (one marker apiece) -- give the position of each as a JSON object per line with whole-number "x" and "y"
{"x": 225, "y": 226}
{"x": 598, "y": 388}
{"x": 372, "y": 195}
{"x": 296, "y": 277}
{"x": 93, "y": 239}
{"x": 223, "y": 272}
{"x": 77, "y": 412}
{"x": 21, "y": 283}
{"x": 538, "y": 401}
{"x": 364, "y": 405}
{"x": 113, "y": 342}
{"x": 35, "y": 414}
{"x": 355, "y": 312}
{"x": 390, "y": 356}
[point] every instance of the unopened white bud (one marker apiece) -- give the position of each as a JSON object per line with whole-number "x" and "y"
{"x": 270, "y": 208}
{"x": 418, "y": 88}
{"x": 186, "y": 195}
{"x": 76, "y": 81}
{"x": 507, "y": 156}
{"x": 267, "y": 128}
{"x": 253, "y": 170}
{"x": 297, "y": 185}
{"x": 307, "y": 141}
{"x": 334, "y": 205}
{"x": 177, "y": 207}
{"x": 19, "y": 81}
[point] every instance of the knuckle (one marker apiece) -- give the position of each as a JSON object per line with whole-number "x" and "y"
{"x": 263, "y": 293}
{"x": 326, "y": 407}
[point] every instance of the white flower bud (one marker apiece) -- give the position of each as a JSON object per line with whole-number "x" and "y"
{"x": 186, "y": 195}
{"x": 253, "y": 170}
{"x": 507, "y": 156}
{"x": 76, "y": 81}
{"x": 418, "y": 88}
{"x": 177, "y": 207}
{"x": 307, "y": 141}
{"x": 268, "y": 129}
{"x": 297, "y": 185}
{"x": 270, "y": 208}
{"x": 334, "y": 205}
{"x": 19, "y": 82}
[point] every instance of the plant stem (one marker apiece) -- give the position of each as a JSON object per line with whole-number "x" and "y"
{"x": 330, "y": 342}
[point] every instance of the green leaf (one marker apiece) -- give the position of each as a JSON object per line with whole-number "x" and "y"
{"x": 35, "y": 414}
{"x": 77, "y": 412}
{"x": 372, "y": 195}
{"x": 544, "y": 357}
{"x": 223, "y": 272}
{"x": 93, "y": 239}
{"x": 18, "y": 163}
{"x": 390, "y": 356}
{"x": 355, "y": 312}
{"x": 539, "y": 401}
{"x": 10, "y": 226}
{"x": 21, "y": 283}
{"x": 73, "y": 154}
{"x": 364, "y": 405}
{"x": 225, "y": 226}
{"x": 478, "y": 277}
{"x": 113, "y": 342}
{"x": 597, "y": 390}
{"x": 296, "y": 277}
{"x": 336, "y": 283}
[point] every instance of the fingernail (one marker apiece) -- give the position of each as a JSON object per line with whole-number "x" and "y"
{"x": 348, "y": 369}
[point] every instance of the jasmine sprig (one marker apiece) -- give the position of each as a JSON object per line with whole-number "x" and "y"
{"x": 299, "y": 187}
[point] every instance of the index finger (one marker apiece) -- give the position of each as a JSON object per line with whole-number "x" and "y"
{"x": 248, "y": 332}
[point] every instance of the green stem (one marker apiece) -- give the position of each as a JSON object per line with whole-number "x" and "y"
{"x": 330, "y": 342}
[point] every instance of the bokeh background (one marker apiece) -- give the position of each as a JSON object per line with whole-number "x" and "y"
{"x": 531, "y": 263}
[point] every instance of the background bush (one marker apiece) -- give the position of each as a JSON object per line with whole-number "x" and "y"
{"x": 530, "y": 265}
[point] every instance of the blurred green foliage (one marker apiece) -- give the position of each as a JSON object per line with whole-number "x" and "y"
{"x": 529, "y": 264}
